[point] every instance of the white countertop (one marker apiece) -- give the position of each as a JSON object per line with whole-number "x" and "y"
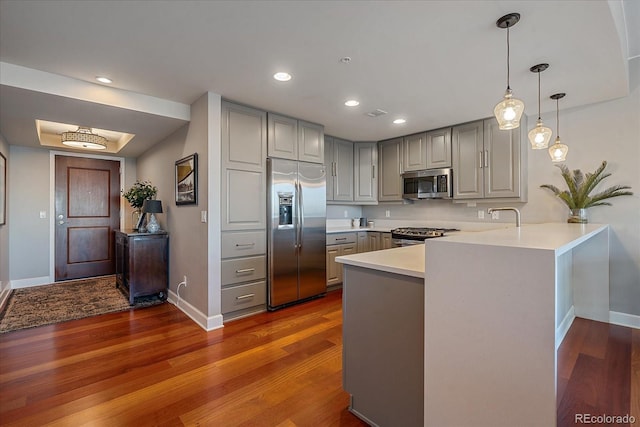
{"x": 409, "y": 260}
{"x": 348, "y": 229}
{"x": 559, "y": 237}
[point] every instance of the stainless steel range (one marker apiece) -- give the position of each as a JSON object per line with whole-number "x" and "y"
{"x": 406, "y": 236}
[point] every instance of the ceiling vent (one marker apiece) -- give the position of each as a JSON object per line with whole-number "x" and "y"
{"x": 375, "y": 113}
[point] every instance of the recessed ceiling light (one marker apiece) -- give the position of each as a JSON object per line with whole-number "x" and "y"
{"x": 352, "y": 103}
{"x": 103, "y": 79}
{"x": 399, "y": 121}
{"x": 345, "y": 59}
{"x": 282, "y": 76}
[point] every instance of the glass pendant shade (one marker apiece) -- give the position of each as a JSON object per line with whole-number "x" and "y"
{"x": 558, "y": 151}
{"x": 509, "y": 111}
{"x": 540, "y": 136}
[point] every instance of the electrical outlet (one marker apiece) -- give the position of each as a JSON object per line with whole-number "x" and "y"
{"x": 387, "y": 213}
{"x": 495, "y": 215}
{"x": 480, "y": 214}
{"x": 185, "y": 281}
{"x": 346, "y": 214}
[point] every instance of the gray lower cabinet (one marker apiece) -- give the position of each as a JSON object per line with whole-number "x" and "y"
{"x": 383, "y": 346}
{"x": 487, "y": 162}
{"x": 337, "y": 245}
{"x": 363, "y": 241}
{"x": 243, "y": 274}
{"x": 375, "y": 240}
{"x": 387, "y": 241}
{"x": 390, "y": 170}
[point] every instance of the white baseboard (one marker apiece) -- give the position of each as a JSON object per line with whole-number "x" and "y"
{"x": 207, "y": 323}
{"x": 28, "y": 283}
{"x": 624, "y": 319}
{"x": 564, "y": 326}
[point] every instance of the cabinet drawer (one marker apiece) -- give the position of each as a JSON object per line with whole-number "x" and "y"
{"x": 243, "y": 270}
{"x": 340, "y": 238}
{"x": 243, "y": 296}
{"x": 246, "y": 243}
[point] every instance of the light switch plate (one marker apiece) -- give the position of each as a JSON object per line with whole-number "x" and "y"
{"x": 480, "y": 214}
{"x": 203, "y": 216}
{"x": 43, "y": 214}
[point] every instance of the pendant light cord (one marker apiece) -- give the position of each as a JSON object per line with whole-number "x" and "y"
{"x": 557, "y": 118}
{"x": 508, "y": 60}
{"x": 539, "y": 118}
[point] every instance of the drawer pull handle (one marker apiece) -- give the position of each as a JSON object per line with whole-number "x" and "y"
{"x": 245, "y": 296}
{"x": 239, "y": 245}
{"x": 341, "y": 238}
{"x": 245, "y": 270}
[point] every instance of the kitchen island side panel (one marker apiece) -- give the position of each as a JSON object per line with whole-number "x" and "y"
{"x": 383, "y": 340}
{"x": 490, "y": 335}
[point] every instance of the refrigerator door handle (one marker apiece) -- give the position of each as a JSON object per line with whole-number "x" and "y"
{"x": 300, "y": 215}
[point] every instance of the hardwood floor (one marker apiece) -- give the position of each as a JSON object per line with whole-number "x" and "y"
{"x": 154, "y": 366}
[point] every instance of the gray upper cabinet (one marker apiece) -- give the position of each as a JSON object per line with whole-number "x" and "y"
{"x": 487, "y": 162}
{"x": 415, "y": 152}
{"x": 365, "y": 172}
{"x": 439, "y": 148}
{"x": 310, "y": 142}
{"x": 294, "y": 139}
{"x": 339, "y": 163}
{"x": 244, "y": 149}
{"x": 502, "y": 173}
{"x": 468, "y": 146}
{"x": 244, "y": 137}
{"x": 390, "y": 170}
{"x": 282, "y": 137}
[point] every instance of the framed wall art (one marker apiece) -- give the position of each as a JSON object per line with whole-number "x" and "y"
{"x": 187, "y": 180}
{"x": 3, "y": 189}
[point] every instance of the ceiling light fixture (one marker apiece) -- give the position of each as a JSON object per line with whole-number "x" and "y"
{"x": 352, "y": 103}
{"x": 282, "y": 76}
{"x": 84, "y": 138}
{"x": 103, "y": 79}
{"x": 399, "y": 121}
{"x": 510, "y": 109}
{"x": 558, "y": 151}
{"x": 540, "y": 135}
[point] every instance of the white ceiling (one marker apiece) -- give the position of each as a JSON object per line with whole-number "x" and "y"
{"x": 434, "y": 63}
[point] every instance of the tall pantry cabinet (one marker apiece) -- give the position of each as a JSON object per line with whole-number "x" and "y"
{"x": 243, "y": 204}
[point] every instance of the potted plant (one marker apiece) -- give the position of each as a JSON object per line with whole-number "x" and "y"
{"x": 578, "y": 196}
{"x": 137, "y": 194}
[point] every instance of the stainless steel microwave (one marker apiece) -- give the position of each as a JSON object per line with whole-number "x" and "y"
{"x": 427, "y": 184}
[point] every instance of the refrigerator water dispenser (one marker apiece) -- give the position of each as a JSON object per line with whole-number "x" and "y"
{"x": 285, "y": 209}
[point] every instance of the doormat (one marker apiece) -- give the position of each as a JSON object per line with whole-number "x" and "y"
{"x": 63, "y": 301}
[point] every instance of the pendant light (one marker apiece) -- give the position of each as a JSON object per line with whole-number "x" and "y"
{"x": 510, "y": 109}
{"x": 558, "y": 151}
{"x": 540, "y": 135}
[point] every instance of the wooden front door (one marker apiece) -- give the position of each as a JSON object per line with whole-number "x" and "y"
{"x": 87, "y": 211}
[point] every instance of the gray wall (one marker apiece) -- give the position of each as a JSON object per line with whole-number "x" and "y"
{"x": 604, "y": 131}
{"x": 29, "y": 240}
{"x": 4, "y": 229}
{"x": 188, "y": 236}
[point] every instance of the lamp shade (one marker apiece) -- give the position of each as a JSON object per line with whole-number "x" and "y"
{"x": 509, "y": 111}
{"x": 152, "y": 206}
{"x": 558, "y": 151}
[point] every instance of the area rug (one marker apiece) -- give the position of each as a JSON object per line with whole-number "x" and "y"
{"x": 59, "y": 302}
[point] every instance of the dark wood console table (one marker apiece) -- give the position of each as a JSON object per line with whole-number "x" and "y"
{"x": 142, "y": 263}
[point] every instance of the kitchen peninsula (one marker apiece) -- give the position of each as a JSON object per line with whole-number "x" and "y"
{"x": 495, "y": 306}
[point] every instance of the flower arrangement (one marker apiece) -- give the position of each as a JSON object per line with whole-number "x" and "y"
{"x": 578, "y": 196}
{"x": 139, "y": 192}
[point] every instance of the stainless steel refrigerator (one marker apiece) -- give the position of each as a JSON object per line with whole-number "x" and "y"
{"x": 296, "y": 227}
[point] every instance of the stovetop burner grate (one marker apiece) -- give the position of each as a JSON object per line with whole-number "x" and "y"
{"x": 419, "y": 233}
